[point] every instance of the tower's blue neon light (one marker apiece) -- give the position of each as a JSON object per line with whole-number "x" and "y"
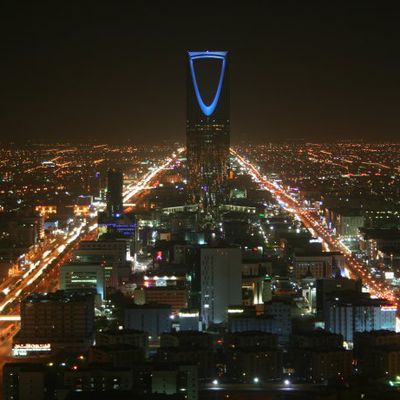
{"x": 220, "y": 55}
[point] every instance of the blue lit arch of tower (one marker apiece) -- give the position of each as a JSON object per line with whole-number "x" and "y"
{"x": 195, "y": 55}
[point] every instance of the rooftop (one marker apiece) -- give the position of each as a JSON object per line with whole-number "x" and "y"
{"x": 64, "y": 296}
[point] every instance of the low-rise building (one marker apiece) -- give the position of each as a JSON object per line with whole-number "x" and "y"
{"x": 318, "y": 265}
{"x": 170, "y": 380}
{"x": 320, "y": 356}
{"x": 117, "y": 355}
{"x": 347, "y": 313}
{"x": 254, "y": 364}
{"x": 122, "y": 336}
{"x": 252, "y": 356}
{"x": 378, "y": 353}
{"x": 316, "y": 365}
{"x": 251, "y": 339}
{"x": 177, "y": 298}
{"x": 76, "y": 275}
{"x": 187, "y": 340}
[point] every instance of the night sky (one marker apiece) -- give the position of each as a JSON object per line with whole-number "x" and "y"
{"x": 115, "y": 71}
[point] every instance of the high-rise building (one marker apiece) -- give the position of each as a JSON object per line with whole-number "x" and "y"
{"x": 221, "y": 282}
{"x": 114, "y": 192}
{"x": 207, "y": 125}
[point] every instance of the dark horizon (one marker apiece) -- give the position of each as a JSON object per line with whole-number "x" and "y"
{"x": 116, "y": 72}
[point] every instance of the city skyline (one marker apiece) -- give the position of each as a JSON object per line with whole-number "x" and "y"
{"x": 316, "y": 72}
{"x": 146, "y": 267}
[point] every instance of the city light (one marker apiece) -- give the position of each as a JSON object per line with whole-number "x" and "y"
{"x": 156, "y": 242}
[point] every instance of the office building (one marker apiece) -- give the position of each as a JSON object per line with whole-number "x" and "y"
{"x": 187, "y": 340}
{"x": 319, "y": 365}
{"x": 348, "y": 223}
{"x": 347, "y": 313}
{"x": 250, "y": 339}
{"x": 319, "y": 356}
{"x": 203, "y": 359}
{"x": 378, "y": 353}
{"x": 122, "y": 336}
{"x": 207, "y": 125}
{"x": 250, "y": 364}
{"x": 318, "y": 265}
{"x": 24, "y": 381}
{"x": 281, "y": 311}
{"x": 244, "y": 322}
{"x": 118, "y": 248}
{"x": 221, "y": 282}
{"x": 189, "y": 320}
{"x": 325, "y": 287}
{"x": 114, "y": 192}
{"x": 151, "y": 318}
{"x": 75, "y": 275}
{"x": 363, "y": 341}
{"x": 51, "y": 322}
{"x": 252, "y": 355}
{"x": 41, "y": 382}
{"x": 318, "y": 338}
{"x": 177, "y": 298}
{"x": 117, "y": 355}
{"x": 121, "y": 225}
{"x": 178, "y": 379}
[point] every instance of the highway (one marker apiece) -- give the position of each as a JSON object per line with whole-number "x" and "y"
{"x": 134, "y": 189}
{"x": 44, "y": 262}
{"x": 355, "y": 267}
{"x": 24, "y": 282}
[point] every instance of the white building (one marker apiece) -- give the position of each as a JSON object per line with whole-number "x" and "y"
{"x": 346, "y": 315}
{"x": 221, "y": 282}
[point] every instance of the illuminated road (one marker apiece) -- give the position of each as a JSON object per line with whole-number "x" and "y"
{"x": 134, "y": 189}
{"x": 354, "y": 266}
{"x": 38, "y": 267}
{"x": 40, "y": 262}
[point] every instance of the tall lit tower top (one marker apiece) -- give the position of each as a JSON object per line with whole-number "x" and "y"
{"x": 196, "y": 55}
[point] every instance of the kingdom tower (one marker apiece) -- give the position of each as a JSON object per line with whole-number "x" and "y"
{"x": 207, "y": 125}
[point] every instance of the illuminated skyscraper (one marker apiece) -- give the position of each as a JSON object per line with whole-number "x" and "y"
{"x": 114, "y": 192}
{"x": 207, "y": 125}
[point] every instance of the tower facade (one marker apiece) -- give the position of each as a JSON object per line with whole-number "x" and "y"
{"x": 207, "y": 125}
{"x": 114, "y": 192}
